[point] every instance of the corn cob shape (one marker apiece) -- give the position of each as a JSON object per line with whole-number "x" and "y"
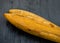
{"x": 33, "y": 24}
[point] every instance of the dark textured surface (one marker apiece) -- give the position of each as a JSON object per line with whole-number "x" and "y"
{"x": 49, "y": 9}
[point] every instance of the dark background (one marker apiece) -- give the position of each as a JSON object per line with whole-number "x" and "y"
{"x": 49, "y": 9}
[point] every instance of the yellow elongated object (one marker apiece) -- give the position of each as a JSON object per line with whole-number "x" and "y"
{"x": 33, "y": 24}
{"x": 33, "y": 16}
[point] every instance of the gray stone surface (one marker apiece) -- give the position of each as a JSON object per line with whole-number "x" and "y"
{"x": 49, "y": 9}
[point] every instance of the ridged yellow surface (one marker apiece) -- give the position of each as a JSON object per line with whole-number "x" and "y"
{"x": 33, "y": 24}
{"x": 33, "y": 16}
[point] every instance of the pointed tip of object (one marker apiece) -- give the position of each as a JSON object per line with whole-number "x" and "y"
{"x": 6, "y": 14}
